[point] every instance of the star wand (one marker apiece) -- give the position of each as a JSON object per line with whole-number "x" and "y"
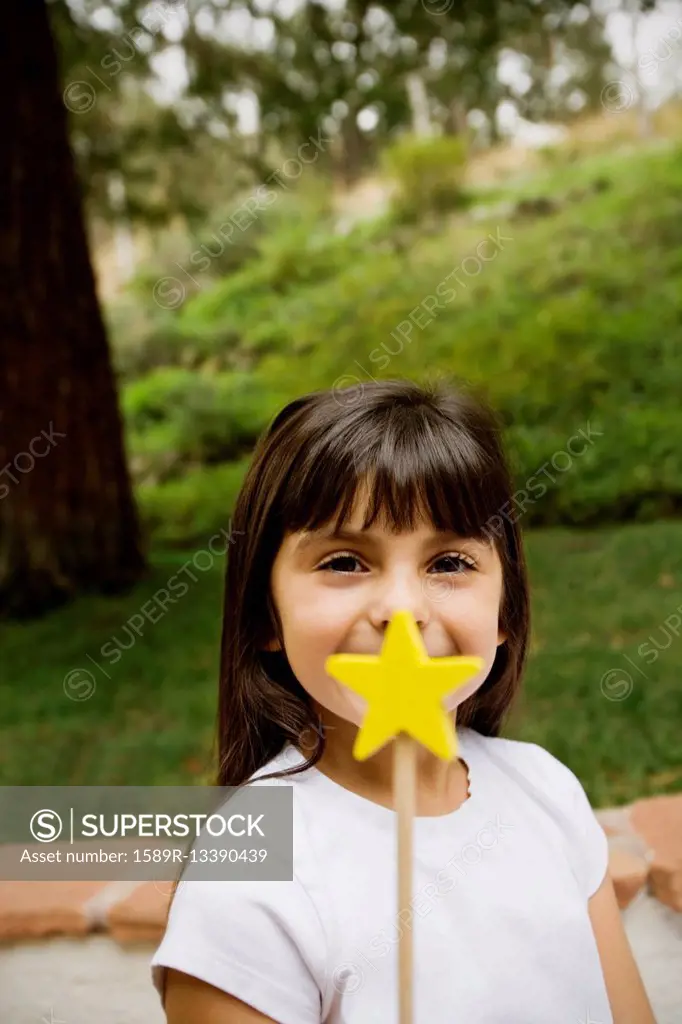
{"x": 404, "y": 689}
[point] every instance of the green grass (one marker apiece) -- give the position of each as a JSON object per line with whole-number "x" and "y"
{"x": 150, "y": 722}
{"x": 596, "y": 597}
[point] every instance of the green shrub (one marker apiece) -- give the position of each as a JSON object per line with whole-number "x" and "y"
{"x": 552, "y": 155}
{"x": 189, "y": 509}
{"x": 143, "y": 346}
{"x": 427, "y": 173}
{"x": 300, "y": 253}
{"x": 177, "y": 418}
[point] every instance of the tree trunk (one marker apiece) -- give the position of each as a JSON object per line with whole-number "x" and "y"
{"x": 354, "y": 150}
{"x": 67, "y": 518}
{"x": 456, "y": 121}
{"x": 644, "y": 122}
{"x": 419, "y": 105}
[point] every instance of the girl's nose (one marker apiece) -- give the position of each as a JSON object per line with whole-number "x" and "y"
{"x": 398, "y": 595}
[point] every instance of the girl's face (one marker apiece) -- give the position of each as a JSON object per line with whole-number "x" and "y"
{"x": 336, "y": 595}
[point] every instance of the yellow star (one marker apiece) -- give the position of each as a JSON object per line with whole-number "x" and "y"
{"x": 404, "y": 688}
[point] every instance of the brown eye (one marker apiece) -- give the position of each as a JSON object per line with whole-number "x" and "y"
{"x": 340, "y": 564}
{"x": 455, "y": 563}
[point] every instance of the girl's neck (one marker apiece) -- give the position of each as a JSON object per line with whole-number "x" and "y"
{"x": 442, "y": 786}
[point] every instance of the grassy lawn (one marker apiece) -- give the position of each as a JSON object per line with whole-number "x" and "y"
{"x": 150, "y": 718}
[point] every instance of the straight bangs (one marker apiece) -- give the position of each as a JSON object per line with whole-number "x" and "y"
{"x": 408, "y": 464}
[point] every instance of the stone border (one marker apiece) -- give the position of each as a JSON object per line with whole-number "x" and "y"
{"x": 645, "y": 851}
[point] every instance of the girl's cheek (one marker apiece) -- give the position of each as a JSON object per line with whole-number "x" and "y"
{"x": 320, "y": 613}
{"x": 318, "y": 626}
{"x": 474, "y": 624}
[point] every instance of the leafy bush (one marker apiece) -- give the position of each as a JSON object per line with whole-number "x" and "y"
{"x": 427, "y": 172}
{"x": 189, "y": 509}
{"x": 254, "y": 306}
{"x": 143, "y": 343}
{"x": 176, "y": 418}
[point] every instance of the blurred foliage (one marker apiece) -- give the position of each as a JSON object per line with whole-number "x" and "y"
{"x": 188, "y": 509}
{"x": 556, "y": 327}
{"x": 177, "y": 418}
{"x": 292, "y": 261}
{"x": 427, "y": 172}
{"x": 177, "y": 143}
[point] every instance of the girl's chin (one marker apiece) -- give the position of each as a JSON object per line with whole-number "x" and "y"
{"x": 343, "y": 703}
{"x": 453, "y": 701}
{"x": 355, "y": 708}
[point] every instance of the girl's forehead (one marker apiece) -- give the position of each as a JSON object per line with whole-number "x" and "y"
{"x": 382, "y": 521}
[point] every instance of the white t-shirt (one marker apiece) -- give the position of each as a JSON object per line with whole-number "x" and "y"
{"x": 499, "y": 913}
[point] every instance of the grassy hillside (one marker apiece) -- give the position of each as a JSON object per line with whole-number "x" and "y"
{"x": 573, "y": 316}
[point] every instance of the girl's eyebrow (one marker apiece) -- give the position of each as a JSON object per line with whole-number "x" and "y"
{"x": 319, "y": 536}
{"x": 368, "y": 536}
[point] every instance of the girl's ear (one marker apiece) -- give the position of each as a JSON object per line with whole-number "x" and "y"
{"x": 501, "y": 637}
{"x": 273, "y": 645}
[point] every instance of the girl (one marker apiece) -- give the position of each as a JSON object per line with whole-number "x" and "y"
{"x": 360, "y": 502}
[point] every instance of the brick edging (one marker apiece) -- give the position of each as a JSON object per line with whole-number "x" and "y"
{"x": 645, "y": 851}
{"x": 645, "y": 848}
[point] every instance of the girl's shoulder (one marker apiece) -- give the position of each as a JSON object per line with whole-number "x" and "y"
{"x": 526, "y": 762}
{"x": 534, "y": 780}
{"x": 289, "y": 757}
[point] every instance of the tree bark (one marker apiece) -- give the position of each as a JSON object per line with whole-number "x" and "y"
{"x": 68, "y": 522}
{"x": 354, "y": 150}
{"x": 456, "y": 121}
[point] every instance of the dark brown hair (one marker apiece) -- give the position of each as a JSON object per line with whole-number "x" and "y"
{"x": 433, "y": 451}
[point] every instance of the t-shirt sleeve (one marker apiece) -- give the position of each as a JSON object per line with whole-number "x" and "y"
{"x": 262, "y": 942}
{"x": 595, "y": 847}
{"x": 587, "y": 840}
